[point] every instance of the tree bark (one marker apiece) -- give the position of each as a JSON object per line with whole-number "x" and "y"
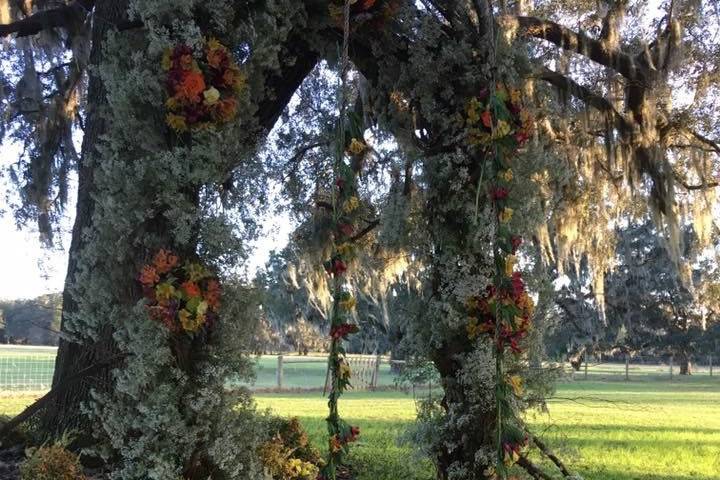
{"x": 63, "y": 413}
{"x": 685, "y": 363}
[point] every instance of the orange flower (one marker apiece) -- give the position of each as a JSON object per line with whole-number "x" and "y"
{"x": 212, "y": 295}
{"x": 164, "y": 261}
{"x": 148, "y": 276}
{"x": 226, "y": 109}
{"x": 192, "y": 86}
{"x": 190, "y": 289}
{"x": 335, "y": 444}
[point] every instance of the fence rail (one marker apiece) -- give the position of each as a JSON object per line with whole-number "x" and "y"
{"x": 28, "y": 369}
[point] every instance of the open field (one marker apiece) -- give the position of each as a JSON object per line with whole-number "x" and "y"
{"x": 645, "y": 429}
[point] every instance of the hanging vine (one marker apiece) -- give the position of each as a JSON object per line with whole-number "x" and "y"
{"x": 498, "y": 126}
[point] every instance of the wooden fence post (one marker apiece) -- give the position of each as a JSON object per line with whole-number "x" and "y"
{"x": 710, "y": 361}
{"x": 627, "y": 367}
{"x": 376, "y": 373}
{"x": 671, "y": 367}
{"x": 279, "y": 372}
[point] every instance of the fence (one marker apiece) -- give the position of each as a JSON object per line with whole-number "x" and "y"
{"x": 296, "y": 372}
{"x": 636, "y": 370}
{"x": 26, "y": 369}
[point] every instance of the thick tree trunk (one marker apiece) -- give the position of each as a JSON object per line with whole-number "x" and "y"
{"x": 63, "y": 414}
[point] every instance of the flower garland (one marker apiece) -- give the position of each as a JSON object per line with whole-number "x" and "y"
{"x": 185, "y": 297}
{"x": 345, "y": 209}
{"x": 202, "y": 90}
{"x": 498, "y": 125}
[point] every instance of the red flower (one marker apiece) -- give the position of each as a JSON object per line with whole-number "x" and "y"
{"x": 486, "y": 117}
{"x": 499, "y": 193}
{"x": 515, "y": 242}
{"x": 346, "y": 229}
{"x": 336, "y": 267}
{"x": 191, "y": 289}
{"x": 339, "y": 331}
{"x": 521, "y": 137}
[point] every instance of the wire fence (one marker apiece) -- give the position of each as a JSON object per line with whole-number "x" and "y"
{"x": 29, "y": 370}
{"x": 26, "y": 369}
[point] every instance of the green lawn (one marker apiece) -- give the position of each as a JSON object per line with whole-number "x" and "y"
{"x": 650, "y": 428}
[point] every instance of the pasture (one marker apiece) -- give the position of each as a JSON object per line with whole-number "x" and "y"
{"x": 652, "y": 427}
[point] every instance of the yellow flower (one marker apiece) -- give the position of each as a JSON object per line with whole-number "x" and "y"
{"x": 211, "y": 96}
{"x": 166, "y": 60}
{"x": 511, "y": 457}
{"x": 356, "y": 146}
{"x": 473, "y": 329}
{"x": 176, "y": 122}
{"x": 351, "y": 204}
{"x": 185, "y": 319}
{"x": 348, "y": 304}
{"x": 344, "y": 371}
{"x": 517, "y": 384}
{"x": 506, "y": 175}
{"x": 473, "y": 111}
{"x": 515, "y": 96}
{"x": 345, "y": 249}
{"x": 214, "y": 44}
{"x": 239, "y": 81}
{"x": 196, "y": 272}
{"x": 509, "y": 265}
{"x": 165, "y": 291}
{"x": 505, "y": 215}
{"x": 502, "y": 129}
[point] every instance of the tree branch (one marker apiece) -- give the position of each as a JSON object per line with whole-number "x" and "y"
{"x": 368, "y": 228}
{"x": 579, "y": 43}
{"x": 64, "y": 17}
{"x": 549, "y": 454}
{"x": 532, "y": 469}
{"x": 584, "y": 94}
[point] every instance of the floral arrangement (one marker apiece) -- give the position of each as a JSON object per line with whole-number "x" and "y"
{"x": 498, "y": 126}
{"x": 185, "y": 297}
{"x": 52, "y": 462}
{"x": 202, "y": 90}
{"x": 288, "y": 455}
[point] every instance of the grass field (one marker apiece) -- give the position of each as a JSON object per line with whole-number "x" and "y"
{"x": 650, "y": 428}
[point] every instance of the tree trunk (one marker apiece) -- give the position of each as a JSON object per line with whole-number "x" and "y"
{"x": 685, "y": 364}
{"x": 63, "y": 414}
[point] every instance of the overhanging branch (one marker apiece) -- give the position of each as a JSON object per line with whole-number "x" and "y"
{"x": 580, "y": 43}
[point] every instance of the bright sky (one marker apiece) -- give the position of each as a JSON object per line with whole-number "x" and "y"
{"x": 31, "y": 270}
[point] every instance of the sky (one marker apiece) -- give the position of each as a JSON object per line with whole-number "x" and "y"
{"x": 31, "y": 270}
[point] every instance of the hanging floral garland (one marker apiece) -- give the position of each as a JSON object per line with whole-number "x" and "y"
{"x": 202, "y": 89}
{"x": 498, "y": 125}
{"x": 184, "y": 297}
{"x": 345, "y": 210}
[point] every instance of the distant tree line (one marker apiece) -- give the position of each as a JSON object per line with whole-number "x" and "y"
{"x": 31, "y": 322}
